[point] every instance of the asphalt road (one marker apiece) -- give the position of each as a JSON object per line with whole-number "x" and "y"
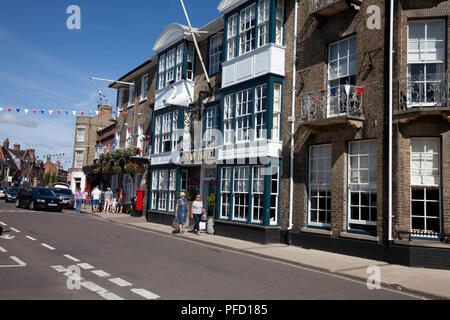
{"x": 120, "y": 262}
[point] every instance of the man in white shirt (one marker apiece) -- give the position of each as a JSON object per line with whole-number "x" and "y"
{"x": 96, "y": 194}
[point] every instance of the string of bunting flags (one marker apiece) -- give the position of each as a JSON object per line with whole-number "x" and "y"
{"x": 51, "y": 112}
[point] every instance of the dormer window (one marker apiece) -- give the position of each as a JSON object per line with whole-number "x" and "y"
{"x": 174, "y": 66}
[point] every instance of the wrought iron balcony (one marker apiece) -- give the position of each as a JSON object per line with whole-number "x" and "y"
{"x": 334, "y": 105}
{"x": 330, "y": 7}
{"x": 425, "y": 91}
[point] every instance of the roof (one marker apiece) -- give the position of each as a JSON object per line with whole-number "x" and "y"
{"x": 136, "y": 71}
{"x": 8, "y": 158}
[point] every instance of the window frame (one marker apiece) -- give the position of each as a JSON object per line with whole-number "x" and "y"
{"x": 144, "y": 87}
{"x": 215, "y": 53}
{"x": 247, "y": 33}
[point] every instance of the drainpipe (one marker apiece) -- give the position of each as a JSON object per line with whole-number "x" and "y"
{"x": 292, "y": 120}
{"x": 391, "y": 88}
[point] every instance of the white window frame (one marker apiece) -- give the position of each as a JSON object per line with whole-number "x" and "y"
{"x": 166, "y": 132}
{"x": 140, "y": 140}
{"x": 277, "y": 101}
{"x": 174, "y": 143}
{"x": 260, "y": 113}
{"x": 241, "y": 187}
{"x": 190, "y": 61}
{"x": 132, "y": 92}
{"x": 279, "y": 28}
{"x": 170, "y": 66}
{"x": 275, "y": 181}
{"x": 231, "y": 36}
{"x": 79, "y": 162}
{"x": 155, "y": 183}
{"x": 144, "y": 87}
{"x": 427, "y": 165}
{"x": 225, "y": 191}
{"x": 81, "y": 137}
{"x": 163, "y": 188}
{"x": 243, "y": 114}
{"x": 439, "y": 64}
{"x": 172, "y": 189}
{"x": 363, "y": 186}
{"x": 162, "y": 71}
{"x": 215, "y": 53}
{"x": 258, "y": 194}
{"x": 229, "y": 118}
{"x": 158, "y": 135}
{"x": 247, "y": 29}
{"x": 320, "y": 158}
{"x": 263, "y": 22}
{"x": 180, "y": 54}
{"x": 120, "y": 100}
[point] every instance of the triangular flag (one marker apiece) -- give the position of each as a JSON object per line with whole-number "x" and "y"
{"x": 96, "y": 112}
{"x": 103, "y": 112}
{"x": 360, "y": 91}
{"x": 314, "y": 100}
{"x": 50, "y": 111}
{"x": 18, "y": 110}
{"x": 59, "y": 112}
{"x": 347, "y": 88}
{"x": 34, "y": 111}
{"x": 148, "y": 137}
{"x": 1, "y": 109}
{"x": 74, "y": 113}
{"x": 9, "y": 109}
{"x": 137, "y": 136}
{"x": 26, "y": 111}
{"x": 67, "y": 113}
{"x": 125, "y": 113}
{"x": 42, "y": 111}
{"x": 333, "y": 91}
{"x": 82, "y": 113}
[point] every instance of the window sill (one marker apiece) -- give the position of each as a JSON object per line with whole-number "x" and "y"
{"x": 317, "y": 231}
{"x": 142, "y": 100}
{"x": 243, "y": 224}
{"x": 359, "y": 236}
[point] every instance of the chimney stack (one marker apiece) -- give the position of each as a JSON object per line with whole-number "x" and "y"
{"x": 17, "y": 147}
{"x": 31, "y": 154}
{"x": 6, "y": 143}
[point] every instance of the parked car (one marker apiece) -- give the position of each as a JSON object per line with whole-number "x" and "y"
{"x": 2, "y": 193}
{"x": 11, "y": 193}
{"x": 38, "y": 198}
{"x": 61, "y": 185}
{"x": 66, "y": 196}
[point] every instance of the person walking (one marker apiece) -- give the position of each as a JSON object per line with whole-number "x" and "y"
{"x": 96, "y": 194}
{"x": 181, "y": 211}
{"x": 196, "y": 213}
{"x": 108, "y": 198}
{"x": 121, "y": 199}
{"x": 85, "y": 194}
{"x": 78, "y": 199}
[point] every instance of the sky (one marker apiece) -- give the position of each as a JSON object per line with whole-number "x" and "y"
{"x": 46, "y": 66}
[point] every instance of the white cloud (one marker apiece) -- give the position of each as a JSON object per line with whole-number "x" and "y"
{"x": 12, "y": 119}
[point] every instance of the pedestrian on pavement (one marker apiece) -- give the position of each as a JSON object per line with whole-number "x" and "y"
{"x": 96, "y": 194}
{"x": 85, "y": 194}
{"x": 108, "y": 197}
{"x": 121, "y": 199}
{"x": 78, "y": 199}
{"x": 181, "y": 211}
{"x": 196, "y": 213}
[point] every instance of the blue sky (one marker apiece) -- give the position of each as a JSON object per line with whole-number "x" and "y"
{"x": 45, "y": 66}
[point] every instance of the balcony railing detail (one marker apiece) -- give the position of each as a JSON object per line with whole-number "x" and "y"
{"x": 341, "y": 101}
{"x": 431, "y": 90}
{"x": 422, "y": 235}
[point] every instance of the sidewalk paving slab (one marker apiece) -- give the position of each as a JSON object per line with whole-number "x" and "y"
{"x": 431, "y": 282}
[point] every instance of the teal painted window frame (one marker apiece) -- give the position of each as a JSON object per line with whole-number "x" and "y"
{"x": 184, "y": 64}
{"x": 177, "y": 184}
{"x": 161, "y": 113}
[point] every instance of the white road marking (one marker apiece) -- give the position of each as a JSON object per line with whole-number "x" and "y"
{"x": 14, "y": 229}
{"x": 92, "y": 286}
{"x": 31, "y": 238}
{"x": 101, "y": 291}
{"x": 3, "y": 249}
{"x": 20, "y": 262}
{"x": 146, "y": 294}
{"x": 7, "y": 237}
{"x": 120, "y": 282}
{"x": 47, "y": 246}
{"x": 101, "y": 273}
{"x": 59, "y": 268}
{"x": 109, "y": 296}
{"x": 71, "y": 258}
{"x": 3, "y": 224}
{"x": 85, "y": 266}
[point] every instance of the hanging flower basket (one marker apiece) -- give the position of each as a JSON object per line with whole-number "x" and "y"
{"x": 131, "y": 168}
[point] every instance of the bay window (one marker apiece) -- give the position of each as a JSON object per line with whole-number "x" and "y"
{"x": 258, "y": 194}
{"x": 155, "y": 184}
{"x": 276, "y": 122}
{"x": 247, "y": 29}
{"x": 320, "y": 185}
{"x": 228, "y": 118}
{"x": 180, "y": 53}
{"x": 363, "y": 185}
{"x": 158, "y": 137}
{"x": 172, "y": 190}
{"x": 426, "y": 62}
{"x": 425, "y": 186}
{"x": 170, "y": 67}
{"x": 212, "y": 124}
{"x": 163, "y": 189}
{"x": 166, "y": 132}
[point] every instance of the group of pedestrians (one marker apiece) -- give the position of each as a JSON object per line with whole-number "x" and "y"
{"x": 108, "y": 202}
{"x": 195, "y": 211}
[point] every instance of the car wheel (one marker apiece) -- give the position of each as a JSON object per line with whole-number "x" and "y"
{"x": 31, "y": 206}
{"x": 17, "y": 204}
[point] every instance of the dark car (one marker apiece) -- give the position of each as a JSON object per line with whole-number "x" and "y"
{"x": 38, "y": 198}
{"x": 66, "y": 196}
{"x": 11, "y": 193}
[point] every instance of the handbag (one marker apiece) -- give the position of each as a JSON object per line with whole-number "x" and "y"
{"x": 176, "y": 225}
{"x": 204, "y": 217}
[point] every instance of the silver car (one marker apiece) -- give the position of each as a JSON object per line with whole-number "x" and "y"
{"x": 2, "y": 193}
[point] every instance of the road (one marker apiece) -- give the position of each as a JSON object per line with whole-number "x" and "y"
{"x": 42, "y": 251}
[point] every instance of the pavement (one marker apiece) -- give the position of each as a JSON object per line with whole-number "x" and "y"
{"x": 430, "y": 282}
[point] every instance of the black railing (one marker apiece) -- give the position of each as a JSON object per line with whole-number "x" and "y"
{"x": 422, "y": 235}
